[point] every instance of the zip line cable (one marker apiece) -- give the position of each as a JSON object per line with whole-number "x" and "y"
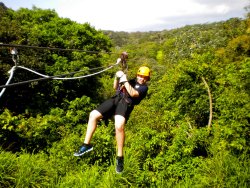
{"x": 15, "y": 58}
{"x": 51, "y": 48}
{"x": 46, "y": 77}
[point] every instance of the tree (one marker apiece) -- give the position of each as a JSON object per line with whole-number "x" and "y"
{"x": 43, "y": 28}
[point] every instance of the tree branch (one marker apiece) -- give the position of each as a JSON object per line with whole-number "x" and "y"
{"x": 210, "y": 103}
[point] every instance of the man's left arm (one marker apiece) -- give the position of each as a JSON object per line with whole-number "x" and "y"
{"x": 131, "y": 91}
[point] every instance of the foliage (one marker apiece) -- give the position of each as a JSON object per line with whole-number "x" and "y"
{"x": 43, "y": 28}
{"x": 168, "y": 141}
{"x": 40, "y": 132}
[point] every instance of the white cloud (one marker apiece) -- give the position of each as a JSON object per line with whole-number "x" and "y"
{"x": 125, "y": 15}
{"x": 132, "y": 15}
{"x": 222, "y": 9}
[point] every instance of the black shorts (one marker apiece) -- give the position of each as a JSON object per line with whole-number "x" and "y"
{"x": 116, "y": 105}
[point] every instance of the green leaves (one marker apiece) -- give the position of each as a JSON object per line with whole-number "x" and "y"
{"x": 43, "y": 28}
{"x": 167, "y": 139}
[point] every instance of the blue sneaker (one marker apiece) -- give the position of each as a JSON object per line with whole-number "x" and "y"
{"x": 85, "y": 148}
{"x": 119, "y": 164}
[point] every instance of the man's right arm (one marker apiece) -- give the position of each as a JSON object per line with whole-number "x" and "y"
{"x": 118, "y": 75}
{"x": 116, "y": 83}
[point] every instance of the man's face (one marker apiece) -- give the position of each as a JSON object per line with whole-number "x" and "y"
{"x": 141, "y": 79}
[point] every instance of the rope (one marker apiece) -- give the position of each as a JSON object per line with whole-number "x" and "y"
{"x": 14, "y": 52}
{"x": 32, "y": 71}
{"x": 11, "y": 75}
{"x": 46, "y": 77}
{"x": 57, "y": 77}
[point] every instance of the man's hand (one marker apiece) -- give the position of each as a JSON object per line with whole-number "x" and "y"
{"x": 119, "y": 74}
{"x": 118, "y": 60}
{"x": 123, "y": 78}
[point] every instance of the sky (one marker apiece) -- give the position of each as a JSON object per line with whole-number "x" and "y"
{"x": 139, "y": 15}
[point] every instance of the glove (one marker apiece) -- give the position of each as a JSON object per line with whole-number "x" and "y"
{"x": 118, "y": 60}
{"x": 119, "y": 74}
{"x": 123, "y": 78}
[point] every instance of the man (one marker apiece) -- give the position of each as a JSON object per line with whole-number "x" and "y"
{"x": 128, "y": 94}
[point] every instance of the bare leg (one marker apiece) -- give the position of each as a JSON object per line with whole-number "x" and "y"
{"x": 120, "y": 133}
{"x": 94, "y": 117}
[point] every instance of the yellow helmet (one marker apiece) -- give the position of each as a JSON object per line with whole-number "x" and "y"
{"x": 144, "y": 71}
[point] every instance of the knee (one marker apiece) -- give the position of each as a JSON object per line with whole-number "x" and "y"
{"x": 119, "y": 123}
{"x": 119, "y": 127}
{"x": 95, "y": 115}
